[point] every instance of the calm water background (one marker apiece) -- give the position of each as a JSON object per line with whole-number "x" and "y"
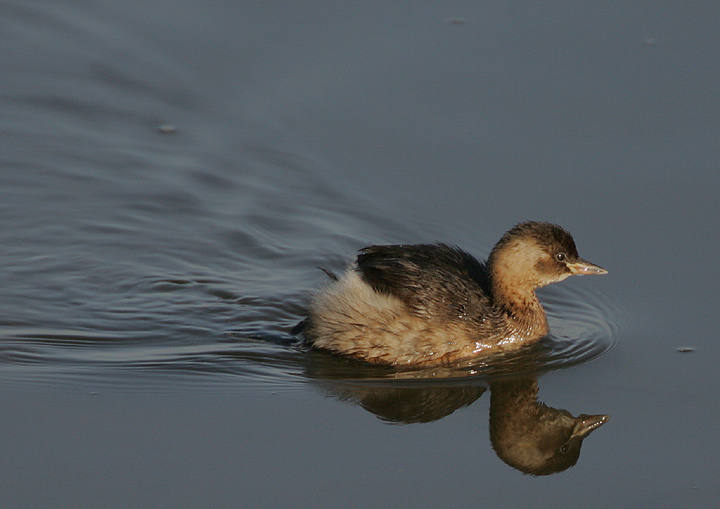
{"x": 149, "y": 280}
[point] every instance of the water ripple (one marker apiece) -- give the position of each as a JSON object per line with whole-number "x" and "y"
{"x": 262, "y": 353}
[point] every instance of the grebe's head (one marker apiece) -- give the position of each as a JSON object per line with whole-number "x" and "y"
{"x": 534, "y": 254}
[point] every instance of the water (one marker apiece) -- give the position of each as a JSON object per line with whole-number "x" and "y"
{"x": 150, "y": 277}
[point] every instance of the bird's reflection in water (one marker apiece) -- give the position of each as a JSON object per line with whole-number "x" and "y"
{"x": 531, "y": 436}
{"x": 525, "y": 433}
{"x": 407, "y": 405}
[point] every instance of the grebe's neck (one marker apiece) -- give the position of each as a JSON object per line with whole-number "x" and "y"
{"x": 523, "y": 309}
{"x": 513, "y": 291}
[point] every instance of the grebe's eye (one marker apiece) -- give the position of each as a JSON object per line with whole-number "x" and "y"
{"x": 560, "y": 257}
{"x": 564, "y": 448}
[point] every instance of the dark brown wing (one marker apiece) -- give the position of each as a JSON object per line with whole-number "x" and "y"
{"x": 434, "y": 280}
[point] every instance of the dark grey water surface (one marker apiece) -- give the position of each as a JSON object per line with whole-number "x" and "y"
{"x": 149, "y": 280}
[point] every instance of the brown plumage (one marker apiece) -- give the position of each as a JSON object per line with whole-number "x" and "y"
{"x": 424, "y": 305}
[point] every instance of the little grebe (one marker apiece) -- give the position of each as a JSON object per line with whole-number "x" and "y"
{"x": 424, "y": 305}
